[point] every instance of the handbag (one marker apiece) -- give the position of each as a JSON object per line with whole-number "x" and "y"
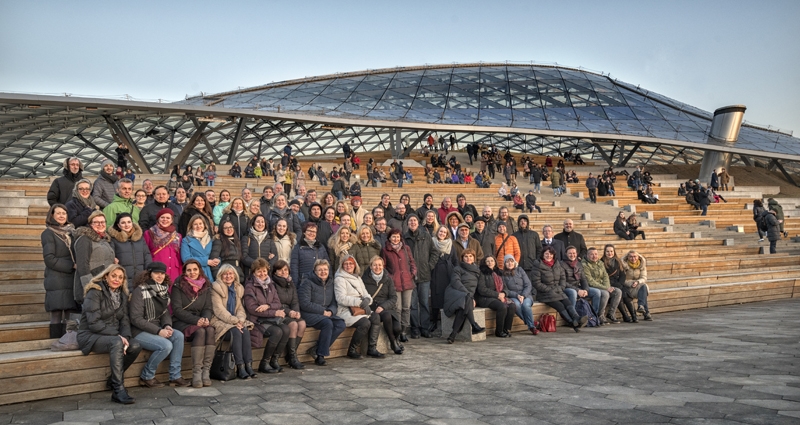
{"x": 547, "y": 323}
{"x": 223, "y": 367}
{"x": 357, "y": 311}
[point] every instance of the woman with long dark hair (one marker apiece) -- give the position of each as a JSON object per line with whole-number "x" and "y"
{"x": 287, "y": 294}
{"x": 492, "y": 293}
{"x": 227, "y": 248}
{"x": 130, "y": 249}
{"x": 191, "y": 314}
{"x": 616, "y": 277}
{"x": 198, "y": 205}
{"x": 258, "y": 244}
{"x": 549, "y": 279}
{"x": 263, "y": 308}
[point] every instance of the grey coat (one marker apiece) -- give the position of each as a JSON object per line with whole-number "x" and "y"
{"x": 59, "y": 273}
{"x": 773, "y": 227}
{"x": 549, "y": 282}
{"x": 92, "y": 255}
{"x": 424, "y": 253}
{"x": 517, "y": 283}
{"x": 131, "y": 251}
{"x": 103, "y": 190}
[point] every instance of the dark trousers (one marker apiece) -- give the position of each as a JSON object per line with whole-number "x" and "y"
{"x": 278, "y": 337}
{"x": 390, "y": 324}
{"x": 593, "y": 195}
{"x": 504, "y": 315}
{"x": 119, "y": 358}
{"x": 565, "y": 309}
{"x": 329, "y": 329}
{"x": 240, "y": 345}
{"x": 462, "y": 315}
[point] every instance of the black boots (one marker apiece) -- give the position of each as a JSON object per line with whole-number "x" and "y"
{"x": 57, "y": 330}
{"x": 273, "y": 363}
{"x": 374, "y": 334}
{"x": 352, "y": 352}
{"x": 120, "y": 395}
{"x": 404, "y": 334}
{"x": 248, "y": 367}
{"x": 119, "y": 364}
{"x": 241, "y": 372}
{"x": 291, "y": 354}
{"x": 269, "y": 361}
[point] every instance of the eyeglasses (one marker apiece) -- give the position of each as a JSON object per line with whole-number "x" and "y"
{"x": 83, "y": 189}
{"x": 98, "y": 223}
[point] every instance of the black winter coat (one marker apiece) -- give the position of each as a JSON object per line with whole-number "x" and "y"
{"x": 549, "y": 282}
{"x": 315, "y": 297}
{"x": 77, "y": 213}
{"x": 241, "y": 223}
{"x": 621, "y": 228}
{"x": 425, "y": 254}
{"x": 137, "y": 313}
{"x": 131, "y": 251}
{"x": 187, "y": 214}
{"x": 287, "y": 293}
{"x": 59, "y": 273}
{"x": 188, "y": 307}
{"x": 147, "y": 216}
{"x": 234, "y": 257}
{"x": 530, "y": 247}
{"x": 616, "y": 275}
{"x": 386, "y": 297}
{"x": 461, "y": 289}
{"x": 62, "y": 187}
{"x": 303, "y": 258}
{"x": 100, "y": 318}
{"x": 486, "y": 239}
{"x": 288, "y": 215}
{"x": 570, "y": 275}
{"x": 573, "y": 239}
{"x": 251, "y": 250}
{"x": 486, "y": 292}
{"x": 440, "y": 276}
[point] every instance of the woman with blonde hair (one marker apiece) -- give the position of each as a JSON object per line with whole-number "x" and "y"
{"x": 340, "y": 244}
{"x": 354, "y": 308}
{"x": 635, "y": 267}
{"x": 230, "y": 319}
{"x": 431, "y": 223}
{"x": 365, "y": 247}
{"x": 105, "y": 327}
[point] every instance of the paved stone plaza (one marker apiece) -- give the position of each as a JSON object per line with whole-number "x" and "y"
{"x": 727, "y": 365}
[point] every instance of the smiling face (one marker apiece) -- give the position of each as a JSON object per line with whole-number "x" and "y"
{"x": 322, "y": 271}
{"x": 330, "y": 214}
{"x": 610, "y": 252}
{"x": 60, "y": 216}
{"x": 349, "y": 265}
{"x": 140, "y": 197}
{"x": 468, "y": 258}
{"x": 108, "y": 168}
{"x": 490, "y": 262}
{"x": 395, "y": 238}
{"x": 225, "y": 196}
{"x": 74, "y": 166}
{"x": 282, "y": 272}
{"x": 261, "y": 273}
{"x": 255, "y": 207}
{"x": 126, "y": 224}
{"x": 281, "y": 227}
{"x": 237, "y": 205}
{"x": 199, "y": 203}
{"x": 310, "y": 233}
{"x": 280, "y": 202}
{"x": 198, "y": 225}
{"x": 547, "y": 232}
{"x": 259, "y": 224}
{"x": 125, "y": 190}
{"x": 442, "y": 234}
{"x": 192, "y": 271}
{"x": 161, "y": 195}
{"x": 227, "y": 229}
{"x": 115, "y": 279}
{"x": 84, "y": 190}
{"x": 98, "y": 224}
{"x": 376, "y": 266}
{"x": 572, "y": 254}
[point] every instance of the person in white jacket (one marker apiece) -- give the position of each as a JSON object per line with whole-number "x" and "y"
{"x": 354, "y": 307}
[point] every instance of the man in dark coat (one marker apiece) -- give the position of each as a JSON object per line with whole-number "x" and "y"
{"x": 464, "y": 207}
{"x": 484, "y": 235}
{"x": 398, "y": 220}
{"x": 530, "y": 246}
{"x": 427, "y": 205}
{"x": 549, "y": 240}
{"x": 61, "y": 190}
{"x": 591, "y": 184}
{"x": 571, "y": 238}
{"x": 425, "y": 256}
{"x": 267, "y": 200}
{"x": 147, "y": 217}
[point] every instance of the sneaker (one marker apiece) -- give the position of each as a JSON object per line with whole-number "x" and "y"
{"x": 761, "y": 240}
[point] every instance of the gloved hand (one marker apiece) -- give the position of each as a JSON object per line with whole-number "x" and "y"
{"x": 365, "y": 302}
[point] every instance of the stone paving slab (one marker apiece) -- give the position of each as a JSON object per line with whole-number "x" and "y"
{"x": 703, "y": 366}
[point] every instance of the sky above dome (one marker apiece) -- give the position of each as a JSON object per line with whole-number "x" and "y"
{"x": 706, "y": 54}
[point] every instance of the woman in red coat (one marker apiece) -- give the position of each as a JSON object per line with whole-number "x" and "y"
{"x": 400, "y": 265}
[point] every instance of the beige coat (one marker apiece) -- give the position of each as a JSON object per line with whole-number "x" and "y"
{"x": 349, "y": 290}
{"x": 631, "y": 275}
{"x": 222, "y": 320}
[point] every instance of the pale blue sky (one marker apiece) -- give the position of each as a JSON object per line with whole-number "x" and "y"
{"x": 704, "y": 53}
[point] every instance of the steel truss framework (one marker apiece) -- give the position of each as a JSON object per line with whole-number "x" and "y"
{"x": 523, "y": 108}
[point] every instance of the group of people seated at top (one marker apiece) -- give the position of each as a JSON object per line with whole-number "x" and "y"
{"x": 162, "y": 276}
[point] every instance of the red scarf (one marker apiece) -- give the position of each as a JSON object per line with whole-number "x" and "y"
{"x": 549, "y": 263}
{"x": 498, "y": 283}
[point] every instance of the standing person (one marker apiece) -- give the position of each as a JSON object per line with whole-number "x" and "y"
{"x": 714, "y": 183}
{"x": 591, "y": 184}
{"x": 151, "y": 326}
{"x": 122, "y": 153}
{"x": 384, "y": 299}
{"x": 318, "y": 307}
{"x": 210, "y": 174}
{"x": 123, "y": 202}
{"x": 219, "y": 209}
{"x": 147, "y": 217}
{"x": 192, "y": 310}
{"x": 130, "y": 250}
{"x": 103, "y": 190}
{"x": 635, "y": 267}
{"x": 81, "y": 205}
{"x": 197, "y": 246}
{"x": 724, "y": 179}
{"x": 491, "y": 293}
{"x": 769, "y": 219}
{"x": 306, "y": 253}
{"x": 280, "y": 211}
{"x": 446, "y": 260}
{"x": 164, "y": 243}
{"x": 227, "y": 248}
{"x": 264, "y": 309}
{"x": 464, "y": 241}
{"x": 530, "y": 245}
{"x": 284, "y": 240}
{"x": 59, "y": 271}
{"x": 353, "y": 303}
{"x": 425, "y": 256}
{"x": 758, "y": 209}
{"x": 236, "y": 214}
{"x": 97, "y": 253}
{"x": 536, "y": 179}
{"x": 257, "y": 244}
{"x": 198, "y": 206}
{"x": 401, "y": 266}
{"x": 555, "y": 182}
{"x": 506, "y": 244}
{"x": 105, "y": 327}
{"x": 61, "y": 189}
{"x": 459, "y": 295}
{"x": 775, "y": 206}
{"x": 400, "y": 172}
{"x": 569, "y": 237}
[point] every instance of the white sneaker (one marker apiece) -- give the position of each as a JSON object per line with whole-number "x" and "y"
{"x": 761, "y": 240}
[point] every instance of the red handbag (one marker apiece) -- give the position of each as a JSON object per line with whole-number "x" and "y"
{"x": 547, "y": 323}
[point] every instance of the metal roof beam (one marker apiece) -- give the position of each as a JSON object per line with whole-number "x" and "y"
{"x": 603, "y": 154}
{"x": 120, "y": 133}
{"x": 237, "y": 139}
{"x": 92, "y": 145}
{"x": 189, "y": 146}
{"x": 410, "y": 148}
{"x": 624, "y": 162}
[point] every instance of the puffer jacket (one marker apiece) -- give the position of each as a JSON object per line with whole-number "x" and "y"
{"x": 549, "y": 282}
{"x": 252, "y": 249}
{"x": 315, "y": 298}
{"x": 462, "y": 287}
{"x": 61, "y": 188}
{"x": 596, "y": 275}
{"x": 382, "y": 293}
{"x": 188, "y": 307}
{"x": 631, "y": 275}
{"x": 99, "y": 317}
{"x": 103, "y": 190}
{"x": 287, "y": 214}
{"x": 363, "y": 252}
{"x": 254, "y": 296}
{"x": 97, "y": 253}
{"x": 400, "y": 264}
{"x": 616, "y": 275}
{"x": 303, "y": 258}
{"x": 424, "y": 253}
{"x": 486, "y": 292}
{"x": 517, "y": 283}
{"x": 77, "y": 212}
{"x": 118, "y": 206}
{"x": 510, "y": 247}
{"x": 234, "y": 257}
{"x": 131, "y": 251}
{"x": 349, "y": 290}
{"x": 287, "y": 294}
{"x": 59, "y": 272}
{"x": 571, "y": 274}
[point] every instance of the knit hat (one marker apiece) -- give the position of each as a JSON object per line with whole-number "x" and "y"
{"x": 94, "y": 214}
{"x": 294, "y": 202}
{"x": 165, "y": 211}
{"x": 509, "y": 257}
{"x": 426, "y": 196}
{"x": 355, "y": 198}
{"x": 107, "y": 161}
{"x": 157, "y": 267}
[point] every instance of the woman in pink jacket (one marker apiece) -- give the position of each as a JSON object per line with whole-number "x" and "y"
{"x": 164, "y": 243}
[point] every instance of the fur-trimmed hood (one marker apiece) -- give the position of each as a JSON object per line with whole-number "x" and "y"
{"x": 121, "y": 236}
{"x": 97, "y": 284}
{"x": 91, "y": 234}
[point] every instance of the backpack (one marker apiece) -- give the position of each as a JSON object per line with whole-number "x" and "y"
{"x": 762, "y": 222}
{"x": 583, "y": 308}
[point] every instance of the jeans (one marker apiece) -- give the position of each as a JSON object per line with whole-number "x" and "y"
{"x": 404, "y": 306}
{"x": 210, "y": 183}
{"x": 704, "y": 207}
{"x": 641, "y": 296}
{"x": 329, "y": 329}
{"x": 421, "y": 307}
{"x": 400, "y": 181}
{"x": 161, "y": 348}
{"x": 524, "y": 310}
{"x": 339, "y": 195}
{"x": 594, "y": 294}
{"x": 537, "y": 187}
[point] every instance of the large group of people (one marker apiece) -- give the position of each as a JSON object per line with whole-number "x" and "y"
{"x": 255, "y": 272}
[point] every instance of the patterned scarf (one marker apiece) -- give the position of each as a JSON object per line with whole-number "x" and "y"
{"x": 64, "y": 233}
{"x": 195, "y": 284}
{"x": 162, "y": 237}
{"x": 574, "y": 265}
{"x": 150, "y": 291}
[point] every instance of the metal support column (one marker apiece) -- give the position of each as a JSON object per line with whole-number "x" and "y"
{"x": 93, "y": 146}
{"x": 237, "y": 139}
{"x": 624, "y": 162}
{"x": 190, "y": 145}
{"x": 410, "y": 148}
{"x": 603, "y": 154}
{"x": 745, "y": 160}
